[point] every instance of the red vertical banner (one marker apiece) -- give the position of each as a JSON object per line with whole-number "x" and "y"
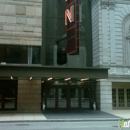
{"x": 72, "y": 26}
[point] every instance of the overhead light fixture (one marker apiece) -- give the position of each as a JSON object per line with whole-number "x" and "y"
{"x": 67, "y": 79}
{"x": 11, "y": 77}
{"x": 84, "y": 79}
{"x": 100, "y": 79}
{"x": 30, "y": 78}
{"x": 49, "y": 78}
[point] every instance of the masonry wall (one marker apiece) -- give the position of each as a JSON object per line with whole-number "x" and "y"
{"x": 95, "y": 33}
{"x": 29, "y": 95}
{"x": 21, "y": 22}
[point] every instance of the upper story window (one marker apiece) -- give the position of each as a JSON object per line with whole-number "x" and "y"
{"x": 20, "y": 54}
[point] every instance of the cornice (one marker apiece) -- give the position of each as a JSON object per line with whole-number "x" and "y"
{"x": 117, "y": 1}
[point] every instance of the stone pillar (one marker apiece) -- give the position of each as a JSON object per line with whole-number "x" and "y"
{"x": 104, "y": 95}
{"x": 29, "y": 95}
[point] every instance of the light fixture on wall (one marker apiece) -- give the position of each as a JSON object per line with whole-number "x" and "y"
{"x": 30, "y": 78}
{"x": 11, "y": 77}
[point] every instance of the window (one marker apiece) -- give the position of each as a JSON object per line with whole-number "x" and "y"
{"x": 20, "y": 54}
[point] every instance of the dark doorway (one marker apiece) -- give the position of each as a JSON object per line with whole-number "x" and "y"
{"x": 8, "y": 94}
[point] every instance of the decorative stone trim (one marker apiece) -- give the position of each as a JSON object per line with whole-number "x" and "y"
{"x": 104, "y": 5}
{"x": 111, "y": 6}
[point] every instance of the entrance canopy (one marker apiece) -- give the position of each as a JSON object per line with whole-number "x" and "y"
{"x": 39, "y": 71}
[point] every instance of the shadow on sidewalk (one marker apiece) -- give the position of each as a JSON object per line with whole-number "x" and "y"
{"x": 77, "y": 114}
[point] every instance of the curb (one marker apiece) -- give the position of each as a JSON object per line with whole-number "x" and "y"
{"x": 64, "y": 120}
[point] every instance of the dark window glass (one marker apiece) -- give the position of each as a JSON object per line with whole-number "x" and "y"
{"x": 16, "y": 54}
{"x": 2, "y": 54}
{"x": 61, "y": 53}
{"x": 19, "y": 54}
{"x": 36, "y": 55}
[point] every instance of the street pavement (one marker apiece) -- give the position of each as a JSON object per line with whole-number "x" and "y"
{"x": 90, "y": 125}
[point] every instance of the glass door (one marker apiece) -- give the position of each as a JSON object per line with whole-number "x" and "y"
{"x": 51, "y": 97}
{"x": 62, "y": 98}
{"x": 85, "y": 98}
{"x": 8, "y": 94}
{"x": 9, "y": 97}
{"x": 74, "y": 98}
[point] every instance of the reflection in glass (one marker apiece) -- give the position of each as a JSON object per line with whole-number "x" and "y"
{"x": 85, "y": 98}
{"x": 62, "y": 94}
{"x": 51, "y": 98}
{"x": 74, "y": 98}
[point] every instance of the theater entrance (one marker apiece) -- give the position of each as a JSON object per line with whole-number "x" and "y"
{"x": 67, "y": 97}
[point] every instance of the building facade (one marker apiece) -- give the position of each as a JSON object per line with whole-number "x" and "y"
{"x": 34, "y": 63}
{"x": 110, "y": 25}
{"x": 20, "y": 42}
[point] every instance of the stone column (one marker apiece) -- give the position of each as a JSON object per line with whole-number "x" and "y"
{"x": 29, "y": 95}
{"x": 104, "y": 95}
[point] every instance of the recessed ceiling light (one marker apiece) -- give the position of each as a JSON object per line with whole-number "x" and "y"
{"x": 42, "y": 81}
{"x": 100, "y": 79}
{"x": 67, "y": 79}
{"x": 84, "y": 79}
{"x": 49, "y": 78}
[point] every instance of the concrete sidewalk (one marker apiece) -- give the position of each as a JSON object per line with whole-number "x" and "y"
{"x": 14, "y": 116}
{"x": 83, "y": 115}
{"x": 120, "y": 113}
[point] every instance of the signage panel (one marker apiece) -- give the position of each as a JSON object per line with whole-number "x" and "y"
{"x": 72, "y": 26}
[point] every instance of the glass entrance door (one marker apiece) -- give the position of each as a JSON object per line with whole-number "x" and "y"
{"x": 74, "y": 98}
{"x": 62, "y": 98}
{"x": 51, "y": 97}
{"x": 85, "y": 98}
{"x": 8, "y": 94}
{"x": 67, "y": 97}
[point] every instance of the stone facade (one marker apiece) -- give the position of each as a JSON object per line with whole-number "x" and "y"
{"x": 29, "y": 95}
{"x": 111, "y": 44}
{"x": 21, "y": 22}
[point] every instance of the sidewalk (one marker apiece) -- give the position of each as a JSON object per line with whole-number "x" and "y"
{"x": 54, "y": 116}
{"x": 120, "y": 113}
{"x": 14, "y": 116}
